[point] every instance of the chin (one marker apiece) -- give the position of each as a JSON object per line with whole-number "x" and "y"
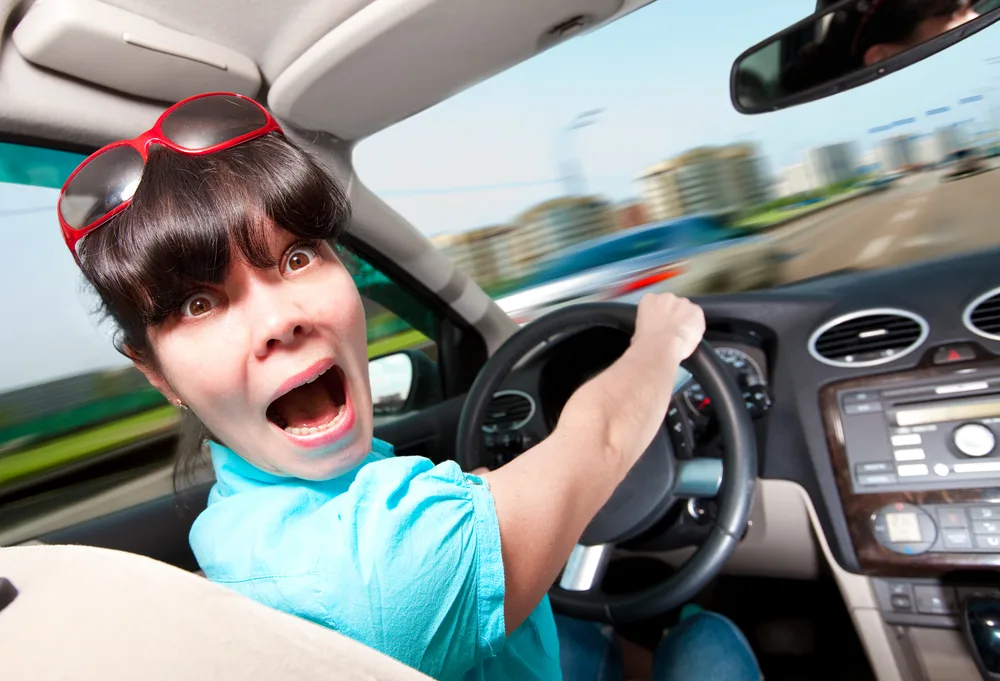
{"x": 330, "y": 461}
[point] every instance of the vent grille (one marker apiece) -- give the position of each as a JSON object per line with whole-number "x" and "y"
{"x": 982, "y": 316}
{"x": 508, "y": 410}
{"x": 868, "y": 338}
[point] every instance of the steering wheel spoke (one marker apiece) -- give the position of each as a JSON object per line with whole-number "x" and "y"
{"x": 698, "y": 478}
{"x": 586, "y": 567}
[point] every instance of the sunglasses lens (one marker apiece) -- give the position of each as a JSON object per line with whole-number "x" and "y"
{"x": 207, "y": 121}
{"x": 101, "y": 186}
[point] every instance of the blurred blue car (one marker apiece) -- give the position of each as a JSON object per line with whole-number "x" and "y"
{"x": 657, "y": 238}
{"x": 646, "y": 258}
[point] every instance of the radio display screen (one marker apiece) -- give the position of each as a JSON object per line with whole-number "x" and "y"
{"x": 903, "y": 527}
{"x": 948, "y": 411}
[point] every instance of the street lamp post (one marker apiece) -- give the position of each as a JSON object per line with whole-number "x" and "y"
{"x": 574, "y": 179}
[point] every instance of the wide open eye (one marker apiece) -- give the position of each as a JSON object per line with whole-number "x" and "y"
{"x": 199, "y": 304}
{"x": 299, "y": 257}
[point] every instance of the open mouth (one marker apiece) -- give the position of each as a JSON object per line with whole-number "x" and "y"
{"x": 312, "y": 408}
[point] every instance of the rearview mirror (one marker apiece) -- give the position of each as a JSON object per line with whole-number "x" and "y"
{"x": 849, "y": 43}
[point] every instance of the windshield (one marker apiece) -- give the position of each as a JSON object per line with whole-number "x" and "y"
{"x": 557, "y": 166}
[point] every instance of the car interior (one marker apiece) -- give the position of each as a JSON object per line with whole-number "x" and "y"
{"x": 828, "y": 479}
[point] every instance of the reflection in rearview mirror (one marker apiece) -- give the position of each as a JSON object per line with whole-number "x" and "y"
{"x": 848, "y": 43}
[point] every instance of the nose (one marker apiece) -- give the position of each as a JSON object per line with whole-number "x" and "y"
{"x": 277, "y": 321}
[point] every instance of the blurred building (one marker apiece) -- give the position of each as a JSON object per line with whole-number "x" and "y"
{"x": 948, "y": 139}
{"x": 928, "y": 149}
{"x": 792, "y": 180}
{"x": 830, "y": 164}
{"x": 554, "y": 225}
{"x": 869, "y": 161}
{"x": 897, "y": 152}
{"x": 484, "y": 254}
{"x": 629, "y": 215}
{"x": 705, "y": 180}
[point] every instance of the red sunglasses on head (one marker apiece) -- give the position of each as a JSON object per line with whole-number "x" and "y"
{"x": 103, "y": 185}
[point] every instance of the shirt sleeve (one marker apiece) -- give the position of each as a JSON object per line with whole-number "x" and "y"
{"x": 412, "y": 565}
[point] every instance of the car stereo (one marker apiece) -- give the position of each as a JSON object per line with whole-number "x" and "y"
{"x": 931, "y": 434}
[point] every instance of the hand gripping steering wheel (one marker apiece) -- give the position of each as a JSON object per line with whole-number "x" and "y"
{"x": 656, "y": 482}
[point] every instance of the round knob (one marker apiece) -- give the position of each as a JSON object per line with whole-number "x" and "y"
{"x": 974, "y": 439}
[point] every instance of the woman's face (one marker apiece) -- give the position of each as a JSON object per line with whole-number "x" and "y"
{"x": 274, "y": 362}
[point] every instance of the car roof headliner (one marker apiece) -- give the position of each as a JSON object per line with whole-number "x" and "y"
{"x": 346, "y": 67}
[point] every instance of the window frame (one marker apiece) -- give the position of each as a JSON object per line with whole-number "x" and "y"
{"x": 461, "y": 348}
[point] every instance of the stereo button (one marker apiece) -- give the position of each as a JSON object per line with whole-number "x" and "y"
{"x": 876, "y": 467}
{"x": 984, "y": 513}
{"x": 952, "y": 517}
{"x": 956, "y": 539}
{"x": 862, "y": 408}
{"x": 912, "y": 469}
{"x": 986, "y": 526}
{"x": 989, "y": 542}
{"x": 876, "y": 479}
{"x": 974, "y": 439}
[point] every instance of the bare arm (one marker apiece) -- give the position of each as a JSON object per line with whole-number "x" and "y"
{"x": 546, "y": 497}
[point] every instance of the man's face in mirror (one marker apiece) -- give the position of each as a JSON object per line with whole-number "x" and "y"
{"x": 925, "y": 29}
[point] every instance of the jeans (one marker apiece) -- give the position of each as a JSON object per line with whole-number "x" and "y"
{"x": 703, "y": 647}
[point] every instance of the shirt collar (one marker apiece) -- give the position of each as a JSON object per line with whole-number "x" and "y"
{"x": 234, "y": 472}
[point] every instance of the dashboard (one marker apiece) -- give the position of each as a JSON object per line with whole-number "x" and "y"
{"x": 878, "y": 392}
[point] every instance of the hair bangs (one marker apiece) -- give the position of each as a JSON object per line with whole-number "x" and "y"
{"x": 192, "y": 214}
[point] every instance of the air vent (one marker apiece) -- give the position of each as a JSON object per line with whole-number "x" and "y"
{"x": 982, "y": 316}
{"x": 868, "y": 337}
{"x": 508, "y": 410}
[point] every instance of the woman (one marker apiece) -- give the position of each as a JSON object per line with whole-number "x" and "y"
{"x": 210, "y": 240}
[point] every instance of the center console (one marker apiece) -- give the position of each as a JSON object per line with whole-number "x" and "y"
{"x": 917, "y": 460}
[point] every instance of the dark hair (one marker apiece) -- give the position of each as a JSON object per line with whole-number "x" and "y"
{"x": 189, "y": 217}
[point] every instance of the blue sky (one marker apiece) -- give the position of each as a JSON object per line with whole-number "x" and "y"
{"x": 661, "y": 75}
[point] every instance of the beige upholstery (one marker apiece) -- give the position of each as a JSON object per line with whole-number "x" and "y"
{"x": 84, "y": 613}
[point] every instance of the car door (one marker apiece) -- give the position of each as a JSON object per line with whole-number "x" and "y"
{"x": 86, "y": 444}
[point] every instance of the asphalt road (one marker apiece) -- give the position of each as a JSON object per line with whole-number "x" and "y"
{"x": 919, "y": 218}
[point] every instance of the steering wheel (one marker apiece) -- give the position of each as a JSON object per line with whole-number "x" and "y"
{"x": 654, "y": 485}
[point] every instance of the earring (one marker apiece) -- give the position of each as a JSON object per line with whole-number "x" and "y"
{"x": 181, "y": 405}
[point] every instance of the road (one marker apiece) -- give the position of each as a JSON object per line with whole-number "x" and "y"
{"x": 919, "y": 218}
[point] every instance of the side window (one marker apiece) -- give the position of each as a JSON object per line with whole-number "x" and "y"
{"x": 68, "y": 401}
{"x": 402, "y": 343}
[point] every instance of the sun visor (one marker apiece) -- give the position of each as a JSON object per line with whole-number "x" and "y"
{"x": 123, "y": 51}
{"x": 394, "y": 58}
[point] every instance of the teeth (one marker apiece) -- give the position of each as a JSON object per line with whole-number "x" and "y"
{"x": 302, "y": 432}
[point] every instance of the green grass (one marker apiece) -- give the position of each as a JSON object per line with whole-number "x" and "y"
{"x": 777, "y": 215}
{"x": 87, "y": 443}
{"x": 391, "y": 344}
